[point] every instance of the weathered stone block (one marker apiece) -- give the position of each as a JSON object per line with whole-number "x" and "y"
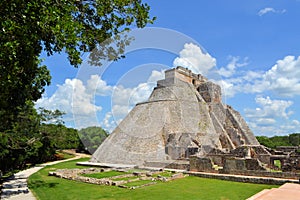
{"x": 203, "y": 164}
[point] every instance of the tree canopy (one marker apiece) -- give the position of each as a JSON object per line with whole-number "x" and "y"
{"x": 72, "y": 26}
{"x": 92, "y": 137}
{"x": 27, "y": 28}
{"x": 275, "y": 141}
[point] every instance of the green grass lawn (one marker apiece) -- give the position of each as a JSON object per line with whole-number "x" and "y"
{"x": 105, "y": 174}
{"x": 277, "y": 163}
{"x": 125, "y": 178}
{"x": 48, "y": 188}
{"x": 138, "y": 183}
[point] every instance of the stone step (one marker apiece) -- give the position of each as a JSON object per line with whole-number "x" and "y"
{"x": 260, "y": 194}
{"x": 6, "y": 193}
{"x": 290, "y": 191}
{"x": 19, "y": 183}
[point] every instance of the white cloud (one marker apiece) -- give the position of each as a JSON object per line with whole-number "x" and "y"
{"x": 73, "y": 98}
{"x": 284, "y": 77}
{"x": 231, "y": 67}
{"x": 70, "y": 97}
{"x": 155, "y": 76}
{"x": 271, "y": 117}
{"x": 193, "y": 58}
{"x": 140, "y": 93}
{"x": 108, "y": 123}
{"x": 269, "y": 109}
{"x": 270, "y": 10}
{"x": 282, "y": 128}
{"x": 96, "y": 85}
{"x": 296, "y": 122}
{"x": 265, "y": 11}
{"x": 124, "y": 99}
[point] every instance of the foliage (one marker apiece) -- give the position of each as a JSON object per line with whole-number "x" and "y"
{"x": 61, "y": 136}
{"x": 273, "y": 142}
{"x": 49, "y": 187}
{"x": 294, "y": 139}
{"x": 51, "y": 116}
{"x": 32, "y": 141}
{"x": 74, "y": 26}
{"x": 91, "y": 138}
{"x": 21, "y": 143}
{"x": 26, "y": 29}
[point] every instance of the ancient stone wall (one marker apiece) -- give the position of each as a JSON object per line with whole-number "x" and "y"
{"x": 201, "y": 164}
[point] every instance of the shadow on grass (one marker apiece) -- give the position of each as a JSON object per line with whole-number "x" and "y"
{"x": 40, "y": 183}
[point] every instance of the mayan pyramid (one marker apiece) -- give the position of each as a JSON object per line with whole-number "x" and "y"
{"x": 183, "y": 116}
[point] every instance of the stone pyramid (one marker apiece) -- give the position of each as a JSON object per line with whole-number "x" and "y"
{"x": 183, "y": 116}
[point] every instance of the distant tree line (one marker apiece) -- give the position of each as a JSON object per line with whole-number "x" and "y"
{"x": 273, "y": 142}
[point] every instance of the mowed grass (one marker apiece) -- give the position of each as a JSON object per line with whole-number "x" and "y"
{"x": 48, "y": 188}
{"x": 138, "y": 183}
{"x": 105, "y": 174}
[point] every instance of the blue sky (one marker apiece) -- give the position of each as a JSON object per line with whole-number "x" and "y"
{"x": 253, "y": 46}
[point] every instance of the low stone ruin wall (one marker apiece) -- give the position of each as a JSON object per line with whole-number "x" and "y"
{"x": 183, "y": 165}
{"x": 284, "y": 175}
{"x": 238, "y": 166}
{"x": 76, "y": 175}
{"x": 201, "y": 164}
{"x": 244, "y": 179}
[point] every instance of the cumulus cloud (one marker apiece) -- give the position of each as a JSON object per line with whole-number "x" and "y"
{"x": 271, "y": 117}
{"x": 74, "y": 98}
{"x": 96, "y": 85}
{"x": 70, "y": 96}
{"x": 270, "y": 10}
{"x": 155, "y": 76}
{"x": 231, "y": 67}
{"x": 124, "y": 99}
{"x": 192, "y": 57}
{"x": 108, "y": 123}
{"x": 274, "y": 129}
{"x": 269, "y": 109}
{"x": 282, "y": 79}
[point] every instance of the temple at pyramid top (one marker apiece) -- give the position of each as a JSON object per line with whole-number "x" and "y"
{"x": 183, "y": 116}
{"x": 182, "y": 74}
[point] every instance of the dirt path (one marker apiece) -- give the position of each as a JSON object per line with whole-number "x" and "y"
{"x": 17, "y": 188}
